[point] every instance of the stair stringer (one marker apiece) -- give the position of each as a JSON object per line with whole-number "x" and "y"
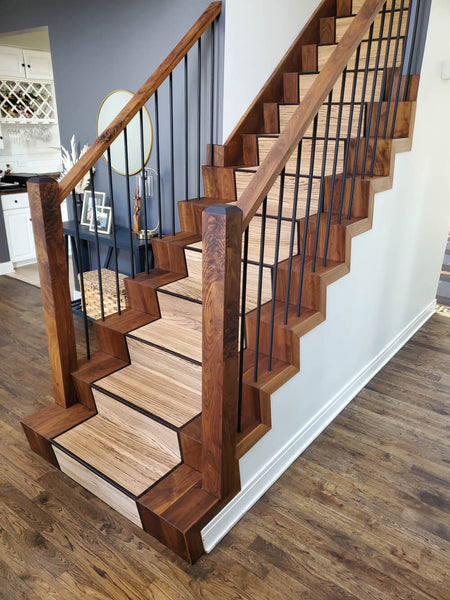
{"x": 258, "y": 478}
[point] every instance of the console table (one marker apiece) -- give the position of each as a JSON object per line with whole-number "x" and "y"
{"x": 122, "y": 242}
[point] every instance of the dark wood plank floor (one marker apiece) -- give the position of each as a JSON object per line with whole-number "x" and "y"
{"x": 362, "y": 514}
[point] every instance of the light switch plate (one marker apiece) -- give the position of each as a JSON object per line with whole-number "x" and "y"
{"x": 445, "y": 73}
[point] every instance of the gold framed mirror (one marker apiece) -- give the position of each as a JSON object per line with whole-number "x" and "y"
{"x": 108, "y": 111}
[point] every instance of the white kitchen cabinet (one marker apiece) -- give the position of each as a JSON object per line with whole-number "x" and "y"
{"x": 19, "y": 230}
{"x": 11, "y": 62}
{"x": 38, "y": 64}
{"x": 23, "y": 63}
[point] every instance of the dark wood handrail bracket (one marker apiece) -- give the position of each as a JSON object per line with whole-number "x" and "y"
{"x": 302, "y": 118}
{"x": 99, "y": 147}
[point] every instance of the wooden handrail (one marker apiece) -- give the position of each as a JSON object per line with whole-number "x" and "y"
{"x": 142, "y": 96}
{"x": 289, "y": 138}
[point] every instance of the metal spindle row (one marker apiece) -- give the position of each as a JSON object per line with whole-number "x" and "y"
{"x": 353, "y": 155}
{"x": 196, "y": 77}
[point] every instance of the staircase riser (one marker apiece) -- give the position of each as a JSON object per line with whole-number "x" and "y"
{"x": 325, "y": 52}
{"x": 343, "y": 24}
{"x": 382, "y": 164}
{"x": 265, "y": 144}
{"x": 305, "y": 82}
{"x": 311, "y": 296}
{"x": 402, "y": 118}
{"x": 283, "y": 345}
{"x": 336, "y": 242}
{"x": 360, "y": 206}
{"x": 168, "y": 256}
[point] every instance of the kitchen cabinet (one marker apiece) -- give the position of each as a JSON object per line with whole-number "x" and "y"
{"x": 19, "y": 230}
{"x": 23, "y": 63}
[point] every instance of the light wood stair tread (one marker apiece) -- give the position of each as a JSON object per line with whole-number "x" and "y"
{"x": 127, "y": 447}
{"x": 188, "y": 287}
{"x": 177, "y": 338}
{"x": 174, "y": 397}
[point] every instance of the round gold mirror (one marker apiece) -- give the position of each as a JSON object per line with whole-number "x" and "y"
{"x": 108, "y": 111}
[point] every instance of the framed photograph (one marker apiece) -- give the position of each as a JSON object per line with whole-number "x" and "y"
{"x": 103, "y": 214}
{"x": 87, "y": 210}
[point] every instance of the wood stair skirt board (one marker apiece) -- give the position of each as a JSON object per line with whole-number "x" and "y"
{"x": 134, "y": 439}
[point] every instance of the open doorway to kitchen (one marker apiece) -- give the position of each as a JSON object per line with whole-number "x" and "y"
{"x": 29, "y": 141}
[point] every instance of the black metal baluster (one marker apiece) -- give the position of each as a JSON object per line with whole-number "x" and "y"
{"x": 81, "y": 274}
{"x": 211, "y": 116}
{"x": 130, "y": 208}
{"x": 275, "y": 267}
{"x": 294, "y": 225}
{"x": 322, "y": 181}
{"x": 144, "y": 199}
{"x": 199, "y": 123}
{"x": 413, "y": 44}
{"x": 306, "y": 222}
{"x": 242, "y": 340}
{"x": 394, "y": 66}
{"x": 186, "y": 128}
{"x": 335, "y": 161}
{"x": 349, "y": 133}
{"x": 374, "y": 88}
{"x": 260, "y": 283}
{"x": 97, "y": 247}
{"x": 113, "y": 219}
{"x": 400, "y": 71}
{"x": 172, "y": 163}
{"x": 158, "y": 163}
{"x": 383, "y": 89}
{"x": 360, "y": 122}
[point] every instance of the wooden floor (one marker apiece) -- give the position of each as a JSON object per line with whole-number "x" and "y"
{"x": 362, "y": 514}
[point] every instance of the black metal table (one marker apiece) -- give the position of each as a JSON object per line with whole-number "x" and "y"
{"x": 122, "y": 242}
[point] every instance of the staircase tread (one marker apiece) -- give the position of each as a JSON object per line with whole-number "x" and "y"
{"x": 124, "y": 445}
{"x": 173, "y": 396}
{"x": 128, "y": 320}
{"x": 171, "y": 488}
{"x": 188, "y": 287}
{"x": 186, "y": 512}
{"x": 53, "y": 419}
{"x": 182, "y": 238}
{"x": 155, "y": 278}
{"x": 176, "y": 337}
{"x": 100, "y": 365}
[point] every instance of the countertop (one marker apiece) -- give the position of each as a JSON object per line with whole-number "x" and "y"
{"x": 12, "y": 189}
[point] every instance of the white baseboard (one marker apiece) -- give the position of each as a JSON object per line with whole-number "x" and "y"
{"x": 216, "y": 529}
{"x": 6, "y": 267}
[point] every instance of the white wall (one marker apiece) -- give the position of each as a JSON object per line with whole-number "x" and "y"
{"x": 372, "y": 311}
{"x": 257, "y": 35}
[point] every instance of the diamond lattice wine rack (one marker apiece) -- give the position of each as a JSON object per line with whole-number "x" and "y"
{"x": 26, "y": 101}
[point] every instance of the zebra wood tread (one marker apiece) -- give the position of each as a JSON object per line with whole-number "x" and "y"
{"x": 172, "y": 397}
{"x": 124, "y": 445}
{"x": 183, "y": 337}
{"x": 187, "y": 287}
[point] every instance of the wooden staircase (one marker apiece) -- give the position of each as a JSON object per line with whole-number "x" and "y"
{"x": 134, "y": 438}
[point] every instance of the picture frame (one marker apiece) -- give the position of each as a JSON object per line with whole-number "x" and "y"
{"x": 87, "y": 209}
{"x": 103, "y": 214}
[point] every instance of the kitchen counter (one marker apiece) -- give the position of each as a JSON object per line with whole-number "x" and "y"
{"x": 12, "y": 189}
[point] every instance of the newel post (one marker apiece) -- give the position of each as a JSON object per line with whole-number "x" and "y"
{"x": 45, "y": 207}
{"x": 222, "y": 240}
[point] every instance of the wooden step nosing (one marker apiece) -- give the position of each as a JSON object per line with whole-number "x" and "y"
{"x": 162, "y": 477}
{"x": 139, "y": 409}
{"x": 94, "y": 470}
{"x": 164, "y": 349}
{"x": 92, "y": 383}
